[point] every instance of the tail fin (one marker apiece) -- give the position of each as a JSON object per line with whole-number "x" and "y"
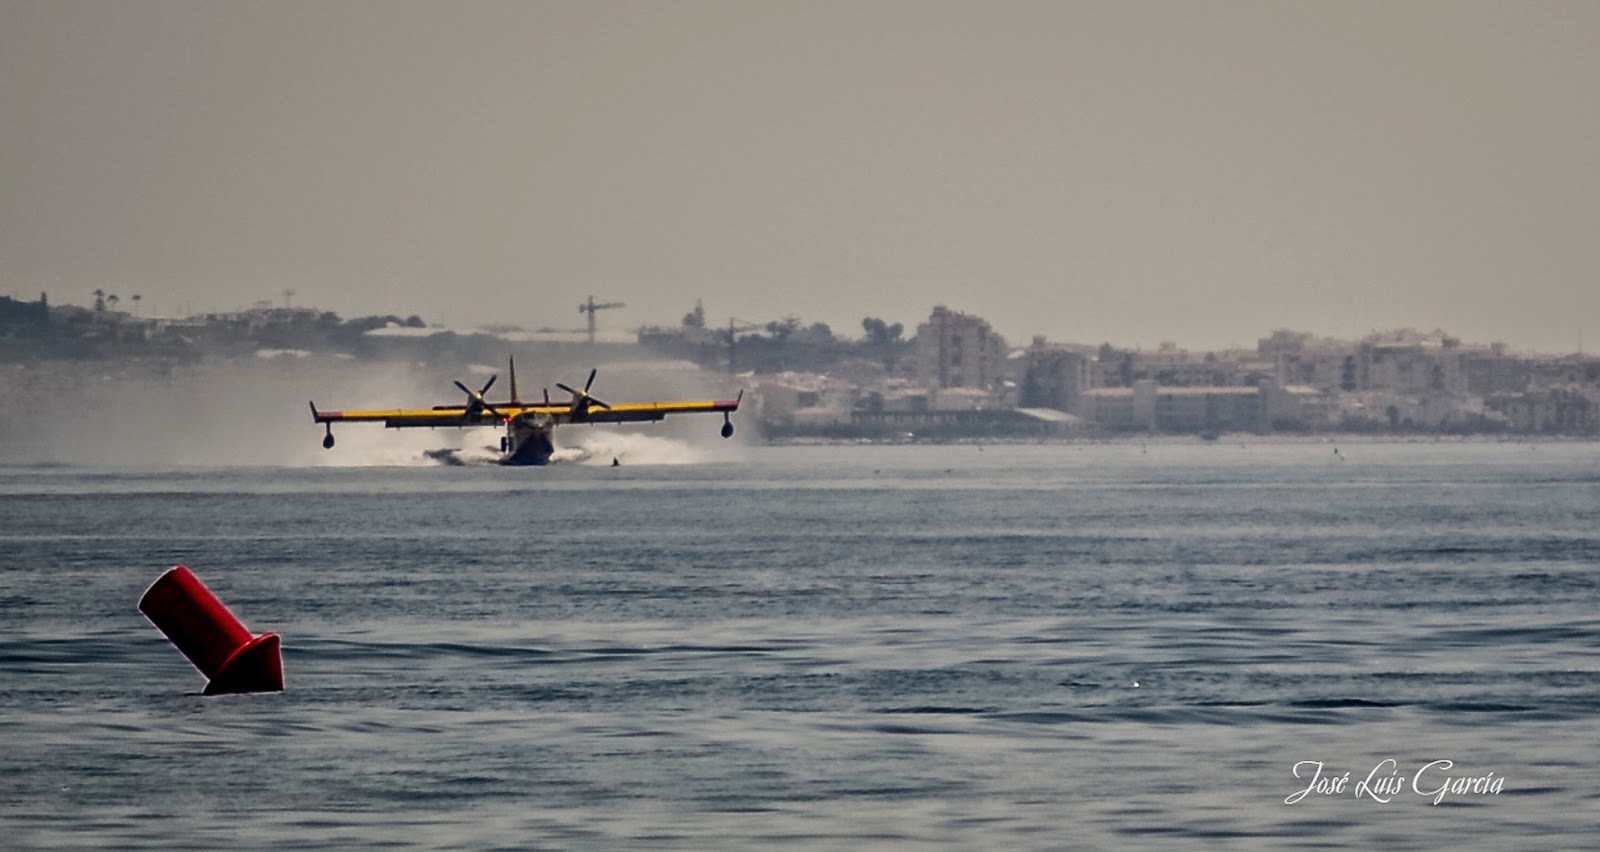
{"x": 516, "y": 396}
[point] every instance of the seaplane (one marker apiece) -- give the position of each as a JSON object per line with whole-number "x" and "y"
{"x": 530, "y": 425}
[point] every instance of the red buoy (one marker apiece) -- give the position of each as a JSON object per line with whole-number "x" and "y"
{"x": 215, "y": 641}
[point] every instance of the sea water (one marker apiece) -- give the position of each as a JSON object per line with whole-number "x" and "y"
{"x": 1063, "y": 646}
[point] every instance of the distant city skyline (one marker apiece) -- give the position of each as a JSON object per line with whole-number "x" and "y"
{"x": 617, "y": 332}
{"x": 1091, "y": 172}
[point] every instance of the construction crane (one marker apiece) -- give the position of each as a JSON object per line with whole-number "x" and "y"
{"x": 589, "y": 307}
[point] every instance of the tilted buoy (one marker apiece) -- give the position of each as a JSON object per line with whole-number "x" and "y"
{"x": 215, "y": 641}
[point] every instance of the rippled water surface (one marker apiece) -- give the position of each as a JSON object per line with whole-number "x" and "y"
{"x": 964, "y": 647}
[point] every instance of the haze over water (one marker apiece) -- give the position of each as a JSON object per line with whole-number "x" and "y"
{"x": 961, "y": 647}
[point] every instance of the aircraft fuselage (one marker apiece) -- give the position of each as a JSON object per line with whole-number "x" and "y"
{"x": 530, "y": 440}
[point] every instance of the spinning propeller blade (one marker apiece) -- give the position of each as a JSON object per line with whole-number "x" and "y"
{"x": 475, "y": 401}
{"x": 582, "y": 397}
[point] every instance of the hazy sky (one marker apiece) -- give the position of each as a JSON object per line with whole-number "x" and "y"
{"x": 1201, "y": 172}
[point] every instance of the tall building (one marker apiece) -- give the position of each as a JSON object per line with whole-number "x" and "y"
{"x": 1054, "y": 376}
{"x": 955, "y": 350}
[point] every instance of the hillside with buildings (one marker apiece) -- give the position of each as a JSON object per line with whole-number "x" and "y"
{"x": 950, "y": 377}
{"x": 956, "y": 377}
{"x": 964, "y": 379}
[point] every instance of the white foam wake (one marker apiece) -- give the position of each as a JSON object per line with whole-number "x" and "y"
{"x": 589, "y": 446}
{"x": 601, "y": 447}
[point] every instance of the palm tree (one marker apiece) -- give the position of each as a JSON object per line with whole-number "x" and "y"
{"x": 113, "y": 299}
{"x": 99, "y": 300}
{"x": 136, "y": 298}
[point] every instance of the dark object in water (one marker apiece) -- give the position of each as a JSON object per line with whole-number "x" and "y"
{"x": 445, "y": 457}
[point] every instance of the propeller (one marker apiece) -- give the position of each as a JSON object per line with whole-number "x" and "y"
{"x": 475, "y": 402}
{"x": 582, "y": 397}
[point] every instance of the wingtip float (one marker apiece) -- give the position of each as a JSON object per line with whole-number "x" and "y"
{"x": 530, "y": 426}
{"x": 211, "y": 637}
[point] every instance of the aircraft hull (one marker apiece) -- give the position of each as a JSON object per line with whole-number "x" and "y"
{"x": 530, "y": 441}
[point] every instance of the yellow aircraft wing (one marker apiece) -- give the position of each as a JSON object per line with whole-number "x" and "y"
{"x": 478, "y": 411}
{"x": 458, "y": 416}
{"x": 640, "y": 412}
{"x": 400, "y": 418}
